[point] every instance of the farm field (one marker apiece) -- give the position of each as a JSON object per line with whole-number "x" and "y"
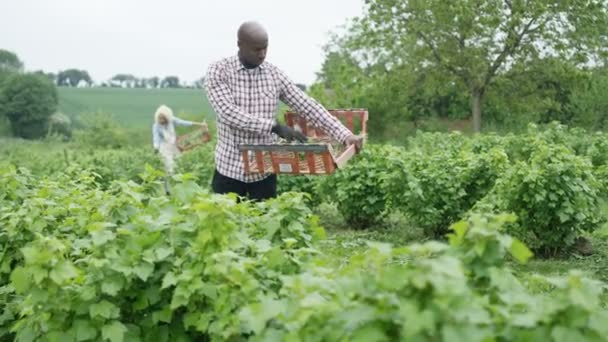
{"x": 423, "y": 231}
{"x": 471, "y": 204}
{"x": 135, "y": 107}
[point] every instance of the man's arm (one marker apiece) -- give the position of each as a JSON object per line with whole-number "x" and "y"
{"x": 221, "y": 98}
{"x": 311, "y": 109}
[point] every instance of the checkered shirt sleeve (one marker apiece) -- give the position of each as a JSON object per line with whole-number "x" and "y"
{"x": 245, "y": 102}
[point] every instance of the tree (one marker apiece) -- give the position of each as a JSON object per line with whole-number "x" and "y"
{"x": 73, "y": 77}
{"x": 9, "y": 62}
{"x": 124, "y": 80}
{"x": 28, "y": 100}
{"x": 51, "y": 76}
{"x": 473, "y": 41}
{"x": 153, "y": 82}
{"x": 170, "y": 82}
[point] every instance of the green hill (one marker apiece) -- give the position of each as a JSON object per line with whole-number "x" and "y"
{"x": 133, "y": 107}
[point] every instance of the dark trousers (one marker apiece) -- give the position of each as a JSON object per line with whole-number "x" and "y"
{"x": 257, "y": 191}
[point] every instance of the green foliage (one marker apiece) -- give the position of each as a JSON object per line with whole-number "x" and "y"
{"x": 413, "y": 60}
{"x": 100, "y": 130}
{"x": 472, "y": 42}
{"x": 81, "y": 263}
{"x": 72, "y": 77}
{"x": 554, "y": 194}
{"x": 133, "y": 108}
{"x": 28, "y": 100}
{"x": 540, "y": 91}
{"x": 60, "y": 124}
{"x": 9, "y": 63}
{"x": 358, "y": 189}
{"x": 441, "y": 178}
{"x": 431, "y": 291}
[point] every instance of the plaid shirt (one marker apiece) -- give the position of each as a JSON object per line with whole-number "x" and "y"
{"x": 245, "y": 101}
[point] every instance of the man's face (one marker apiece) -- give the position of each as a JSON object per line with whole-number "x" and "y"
{"x": 162, "y": 119}
{"x": 253, "y": 53}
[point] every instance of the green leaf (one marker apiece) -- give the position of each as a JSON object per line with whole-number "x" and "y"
{"x": 465, "y": 333}
{"x": 104, "y": 309}
{"x": 519, "y": 251}
{"x": 101, "y": 237}
{"x": 563, "y": 334}
{"x": 59, "y": 336}
{"x": 20, "y": 279}
{"x": 115, "y": 331}
{"x": 163, "y": 315}
{"x": 63, "y": 271}
{"x": 163, "y": 252}
{"x": 84, "y": 330}
{"x": 169, "y": 280}
{"x": 143, "y": 270}
{"x": 369, "y": 333}
{"x": 256, "y": 315}
{"x": 112, "y": 285}
{"x": 26, "y": 334}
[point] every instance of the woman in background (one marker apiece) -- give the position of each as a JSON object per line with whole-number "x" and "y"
{"x": 164, "y": 138}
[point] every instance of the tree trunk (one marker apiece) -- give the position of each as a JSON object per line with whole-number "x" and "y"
{"x": 476, "y": 97}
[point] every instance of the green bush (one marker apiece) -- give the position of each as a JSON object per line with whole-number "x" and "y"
{"x": 28, "y": 100}
{"x": 200, "y": 163}
{"x": 79, "y": 263}
{"x": 61, "y": 125}
{"x": 101, "y": 130}
{"x": 436, "y": 189}
{"x": 359, "y": 188}
{"x": 554, "y": 194}
{"x": 128, "y": 264}
{"x": 431, "y": 292}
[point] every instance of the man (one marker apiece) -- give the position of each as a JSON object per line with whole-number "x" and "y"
{"x": 244, "y": 91}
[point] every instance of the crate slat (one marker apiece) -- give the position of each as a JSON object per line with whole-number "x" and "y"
{"x": 322, "y": 157}
{"x": 191, "y": 140}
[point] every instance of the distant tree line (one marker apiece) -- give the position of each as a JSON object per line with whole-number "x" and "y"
{"x": 81, "y": 78}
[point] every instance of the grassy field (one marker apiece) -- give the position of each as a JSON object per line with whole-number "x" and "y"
{"x": 133, "y": 107}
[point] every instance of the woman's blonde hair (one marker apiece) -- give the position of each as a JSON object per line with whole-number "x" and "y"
{"x": 163, "y": 110}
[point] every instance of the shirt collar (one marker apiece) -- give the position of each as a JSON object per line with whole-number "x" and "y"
{"x": 239, "y": 66}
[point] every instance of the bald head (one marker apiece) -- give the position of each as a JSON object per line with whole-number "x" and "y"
{"x": 253, "y": 43}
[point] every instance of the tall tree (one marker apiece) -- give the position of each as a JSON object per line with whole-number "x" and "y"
{"x": 473, "y": 40}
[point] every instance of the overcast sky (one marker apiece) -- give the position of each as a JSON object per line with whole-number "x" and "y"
{"x": 159, "y": 38}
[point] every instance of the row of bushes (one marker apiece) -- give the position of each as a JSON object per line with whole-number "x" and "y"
{"x": 552, "y": 179}
{"x": 129, "y": 264}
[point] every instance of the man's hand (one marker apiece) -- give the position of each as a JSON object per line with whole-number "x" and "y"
{"x": 356, "y": 140}
{"x": 202, "y": 124}
{"x": 288, "y": 133}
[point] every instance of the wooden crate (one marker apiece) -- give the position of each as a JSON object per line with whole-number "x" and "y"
{"x": 191, "y": 140}
{"x": 354, "y": 119}
{"x": 321, "y": 156}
